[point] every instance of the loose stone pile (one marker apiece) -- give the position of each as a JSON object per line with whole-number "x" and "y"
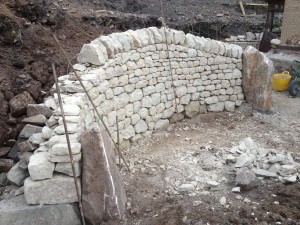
{"x": 128, "y": 77}
{"x": 250, "y": 159}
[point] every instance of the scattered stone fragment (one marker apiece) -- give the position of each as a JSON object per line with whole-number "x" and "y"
{"x": 236, "y": 190}
{"x": 244, "y": 160}
{"x": 186, "y": 188}
{"x": 264, "y": 173}
{"x": 230, "y": 159}
{"x": 212, "y": 183}
{"x": 223, "y": 200}
{"x": 246, "y": 179}
{"x": 247, "y": 200}
{"x": 291, "y": 179}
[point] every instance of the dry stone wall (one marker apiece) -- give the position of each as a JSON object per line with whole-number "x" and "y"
{"x": 128, "y": 76}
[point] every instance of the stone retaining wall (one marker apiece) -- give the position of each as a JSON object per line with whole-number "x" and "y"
{"x": 128, "y": 75}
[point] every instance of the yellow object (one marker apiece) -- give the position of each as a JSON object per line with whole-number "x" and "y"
{"x": 281, "y": 81}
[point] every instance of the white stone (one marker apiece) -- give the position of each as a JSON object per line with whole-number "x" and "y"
{"x": 211, "y": 100}
{"x": 92, "y": 53}
{"x": 69, "y": 110}
{"x": 79, "y": 67}
{"x": 62, "y": 149}
{"x": 58, "y": 190}
{"x": 36, "y": 139}
{"x": 136, "y": 95}
{"x": 40, "y": 167}
{"x": 62, "y": 139}
{"x": 186, "y": 188}
{"x": 161, "y": 124}
{"x": 129, "y": 132}
{"x": 244, "y": 160}
{"x": 218, "y": 107}
{"x": 66, "y": 168}
{"x": 17, "y": 175}
{"x": 229, "y": 106}
{"x": 264, "y": 173}
{"x": 140, "y": 127}
{"x": 72, "y": 128}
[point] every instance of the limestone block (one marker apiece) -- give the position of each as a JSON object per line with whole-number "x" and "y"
{"x": 62, "y": 149}
{"x": 64, "y": 158}
{"x": 160, "y": 124}
{"x": 156, "y": 34}
{"x": 189, "y": 41}
{"x": 36, "y": 139}
{"x": 218, "y": 107}
{"x": 92, "y": 77}
{"x": 123, "y": 39}
{"x": 16, "y": 211}
{"x": 128, "y": 133}
{"x": 179, "y": 37}
{"x": 66, "y": 168}
{"x": 62, "y": 139}
{"x": 17, "y": 175}
{"x": 39, "y": 167}
{"x": 211, "y": 100}
{"x": 181, "y": 91}
{"x": 92, "y": 53}
{"x": 140, "y": 127}
{"x": 142, "y": 35}
{"x": 176, "y": 117}
{"x": 192, "y": 53}
{"x": 168, "y": 113}
{"x": 58, "y": 190}
{"x": 229, "y": 106}
{"x": 184, "y": 100}
{"x": 257, "y": 67}
{"x": 69, "y": 110}
{"x": 192, "y": 109}
{"x": 147, "y": 102}
{"x": 72, "y": 128}
{"x": 149, "y": 90}
{"x": 136, "y": 95}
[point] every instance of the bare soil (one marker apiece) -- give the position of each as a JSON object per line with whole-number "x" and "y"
{"x": 194, "y": 151}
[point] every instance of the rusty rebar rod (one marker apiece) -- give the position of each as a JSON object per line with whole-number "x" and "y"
{"x": 90, "y": 99}
{"x": 168, "y": 53}
{"x": 69, "y": 144}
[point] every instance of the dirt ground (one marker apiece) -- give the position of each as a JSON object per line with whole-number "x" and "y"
{"x": 193, "y": 151}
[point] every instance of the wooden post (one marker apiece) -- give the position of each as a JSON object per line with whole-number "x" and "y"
{"x": 242, "y": 8}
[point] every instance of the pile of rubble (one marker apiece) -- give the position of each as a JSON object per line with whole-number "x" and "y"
{"x": 253, "y": 161}
{"x": 249, "y": 36}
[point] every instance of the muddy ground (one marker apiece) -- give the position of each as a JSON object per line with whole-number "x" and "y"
{"x": 194, "y": 151}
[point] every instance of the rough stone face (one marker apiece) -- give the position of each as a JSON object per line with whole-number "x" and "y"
{"x": 258, "y": 71}
{"x": 192, "y": 109}
{"x": 6, "y": 165}
{"x": 66, "y": 168}
{"x": 103, "y": 194}
{"x": 38, "y": 109}
{"x": 58, "y": 190}
{"x": 16, "y": 211}
{"x": 4, "y": 151}
{"x": 39, "y": 120}
{"x": 141, "y": 127}
{"x": 29, "y": 130}
{"x": 246, "y": 179}
{"x": 26, "y": 146}
{"x": 40, "y": 167}
{"x": 18, "y": 104}
{"x": 62, "y": 149}
{"x": 92, "y": 53}
{"x": 17, "y": 175}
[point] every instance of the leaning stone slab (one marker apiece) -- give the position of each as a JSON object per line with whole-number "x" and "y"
{"x": 258, "y": 71}
{"x": 40, "y": 167}
{"x": 103, "y": 193}
{"x": 16, "y": 211}
{"x": 58, "y": 190}
{"x": 92, "y": 53}
{"x": 38, "y": 120}
{"x": 17, "y": 175}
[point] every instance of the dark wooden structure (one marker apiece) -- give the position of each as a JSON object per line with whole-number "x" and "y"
{"x": 274, "y": 6}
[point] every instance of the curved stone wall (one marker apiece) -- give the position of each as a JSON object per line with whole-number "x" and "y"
{"x": 128, "y": 76}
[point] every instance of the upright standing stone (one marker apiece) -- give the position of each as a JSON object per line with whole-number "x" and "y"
{"x": 258, "y": 70}
{"x": 103, "y": 194}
